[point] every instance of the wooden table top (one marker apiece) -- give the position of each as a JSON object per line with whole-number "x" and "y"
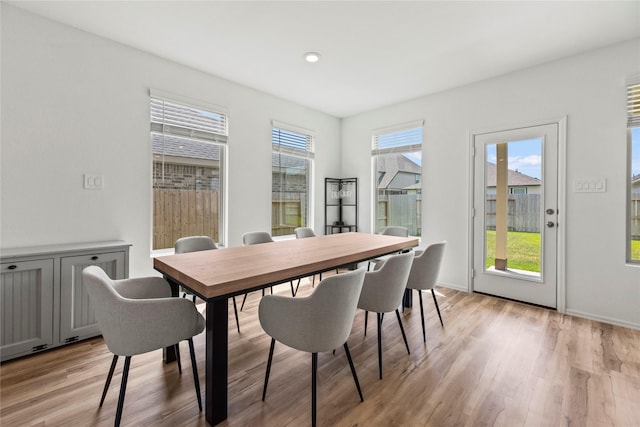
{"x": 232, "y": 271}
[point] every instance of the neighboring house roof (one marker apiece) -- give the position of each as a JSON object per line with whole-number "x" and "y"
{"x": 416, "y": 186}
{"x": 176, "y": 147}
{"x": 392, "y": 164}
{"x": 194, "y": 149}
{"x": 514, "y": 178}
{"x": 287, "y": 161}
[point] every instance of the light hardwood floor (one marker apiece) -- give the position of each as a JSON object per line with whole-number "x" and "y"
{"x": 495, "y": 363}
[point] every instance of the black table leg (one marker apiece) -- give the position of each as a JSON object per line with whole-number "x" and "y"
{"x": 216, "y": 364}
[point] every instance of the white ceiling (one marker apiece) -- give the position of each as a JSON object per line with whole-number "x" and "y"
{"x": 373, "y": 53}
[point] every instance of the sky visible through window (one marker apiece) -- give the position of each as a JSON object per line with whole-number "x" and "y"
{"x": 524, "y": 156}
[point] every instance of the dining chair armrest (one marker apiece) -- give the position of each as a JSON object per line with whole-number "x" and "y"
{"x": 288, "y": 320}
{"x": 177, "y": 318}
{"x": 143, "y": 288}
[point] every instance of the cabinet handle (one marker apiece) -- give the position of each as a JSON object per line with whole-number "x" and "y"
{"x": 12, "y": 267}
{"x": 95, "y": 257}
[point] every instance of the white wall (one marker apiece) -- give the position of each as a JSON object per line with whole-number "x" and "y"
{"x": 75, "y": 103}
{"x": 590, "y": 91}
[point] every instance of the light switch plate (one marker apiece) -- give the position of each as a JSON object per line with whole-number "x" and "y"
{"x": 93, "y": 181}
{"x": 591, "y": 185}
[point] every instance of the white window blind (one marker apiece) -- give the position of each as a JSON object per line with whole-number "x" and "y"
{"x": 294, "y": 143}
{"x": 398, "y": 139}
{"x": 633, "y": 105}
{"x": 173, "y": 119}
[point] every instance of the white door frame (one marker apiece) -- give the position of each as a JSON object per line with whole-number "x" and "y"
{"x": 562, "y": 211}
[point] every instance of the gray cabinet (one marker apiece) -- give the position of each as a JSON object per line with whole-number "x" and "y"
{"x": 26, "y": 298}
{"x": 44, "y": 304}
{"x": 77, "y": 320}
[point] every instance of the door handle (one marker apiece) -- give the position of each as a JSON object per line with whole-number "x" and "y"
{"x": 551, "y": 224}
{"x": 550, "y": 211}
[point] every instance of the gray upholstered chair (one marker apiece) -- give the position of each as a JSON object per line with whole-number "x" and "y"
{"x": 392, "y": 230}
{"x": 303, "y": 233}
{"x": 139, "y": 315}
{"x": 382, "y": 293}
{"x": 317, "y": 323}
{"x": 197, "y": 244}
{"x": 424, "y": 275}
{"x": 256, "y": 238}
{"x": 193, "y": 244}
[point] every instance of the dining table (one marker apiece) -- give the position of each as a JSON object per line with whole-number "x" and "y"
{"x": 216, "y": 275}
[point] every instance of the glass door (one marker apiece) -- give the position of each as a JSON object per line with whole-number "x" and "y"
{"x": 515, "y": 214}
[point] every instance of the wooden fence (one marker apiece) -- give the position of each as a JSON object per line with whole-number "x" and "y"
{"x": 179, "y": 213}
{"x": 286, "y": 216}
{"x": 402, "y": 210}
{"x": 523, "y": 212}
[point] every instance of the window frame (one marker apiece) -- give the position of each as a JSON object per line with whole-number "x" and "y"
{"x": 394, "y": 147}
{"x": 294, "y": 149}
{"x": 215, "y": 134}
{"x": 633, "y": 122}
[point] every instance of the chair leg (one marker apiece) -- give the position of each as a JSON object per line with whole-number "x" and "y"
{"x": 404, "y": 337}
{"x": 243, "y": 300}
{"x": 293, "y": 292}
{"x": 266, "y": 375}
{"x": 437, "y": 308}
{"x": 353, "y": 370}
{"x": 424, "y": 333}
{"x": 123, "y": 389}
{"x": 314, "y": 371}
{"x": 379, "y": 344}
{"x": 235, "y": 311}
{"x": 366, "y": 318}
{"x": 177, "y": 347}
{"x": 194, "y": 368}
{"x": 106, "y": 384}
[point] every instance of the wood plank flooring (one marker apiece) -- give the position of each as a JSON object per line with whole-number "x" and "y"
{"x": 495, "y": 363}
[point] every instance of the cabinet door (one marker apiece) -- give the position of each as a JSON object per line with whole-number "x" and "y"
{"x": 77, "y": 319}
{"x": 26, "y": 295}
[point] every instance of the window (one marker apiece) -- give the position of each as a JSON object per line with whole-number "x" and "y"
{"x": 292, "y": 158}
{"x": 633, "y": 132}
{"x": 397, "y": 163}
{"x": 188, "y": 145}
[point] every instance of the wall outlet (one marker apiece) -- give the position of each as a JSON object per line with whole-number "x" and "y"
{"x": 93, "y": 181}
{"x": 591, "y": 185}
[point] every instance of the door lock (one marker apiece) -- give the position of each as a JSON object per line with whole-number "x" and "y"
{"x": 550, "y": 211}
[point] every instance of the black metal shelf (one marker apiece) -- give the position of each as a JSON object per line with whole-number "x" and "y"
{"x": 340, "y": 205}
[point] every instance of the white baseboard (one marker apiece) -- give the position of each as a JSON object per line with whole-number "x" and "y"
{"x": 577, "y": 313}
{"x": 453, "y": 286}
{"x": 603, "y": 319}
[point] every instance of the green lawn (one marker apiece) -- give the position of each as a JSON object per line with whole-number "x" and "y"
{"x": 635, "y": 249}
{"x": 523, "y": 250}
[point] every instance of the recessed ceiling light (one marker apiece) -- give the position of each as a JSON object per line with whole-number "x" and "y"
{"x": 312, "y": 57}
